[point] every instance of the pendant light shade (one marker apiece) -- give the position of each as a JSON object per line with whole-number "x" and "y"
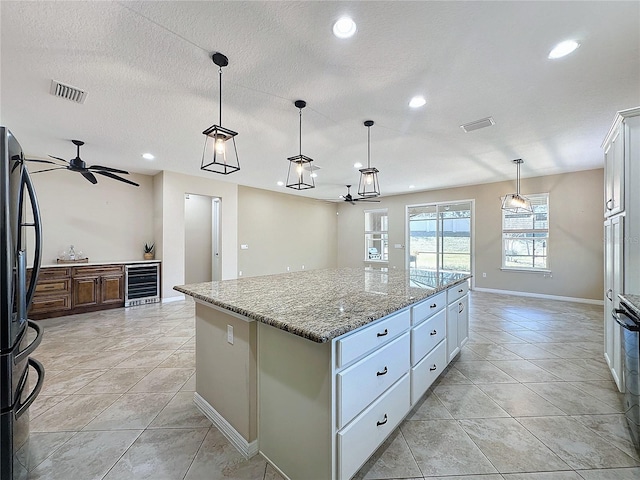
{"x": 368, "y": 186}
{"x": 220, "y": 154}
{"x": 514, "y": 202}
{"x": 300, "y": 176}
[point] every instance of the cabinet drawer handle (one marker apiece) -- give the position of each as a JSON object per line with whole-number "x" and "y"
{"x": 48, "y": 287}
{"x": 386, "y": 332}
{"x": 433, "y": 332}
{"x": 461, "y": 290}
{"x": 431, "y": 369}
{"x": 383, "y": 421}
{"x": 608, "y": 202}
{"x": 607, "y": 294}
{"x": 384, "y": 372}
{"x": 433, "y": 306}
{"x": 461, "y": 307}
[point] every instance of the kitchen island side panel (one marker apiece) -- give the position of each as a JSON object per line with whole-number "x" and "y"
{"x": 226, "y": 372}
{"x": 295, "y": 409}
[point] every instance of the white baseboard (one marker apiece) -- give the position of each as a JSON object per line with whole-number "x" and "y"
{"x": 540, "y": 295}
{"x": 247, "y": 449}
{"x": 177, "y": 298}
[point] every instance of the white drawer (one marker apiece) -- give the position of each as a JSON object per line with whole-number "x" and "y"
{"x": 363, "y": 436}
{"x": 370, "y": 337}
{"x": 427, "y": 335}
{"x": 456, "y": 292}
{"x": 426, "y": 372}
{"x": 360, "y": 384}
{"x": 428, "y": 308}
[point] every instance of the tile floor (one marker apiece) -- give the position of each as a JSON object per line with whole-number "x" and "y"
{"x": 529, "y": 398}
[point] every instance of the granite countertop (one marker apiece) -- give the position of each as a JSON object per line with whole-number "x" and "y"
{"x": 88, "y": 264}
{"x": 633, "y": 301}
{"x": 322, "y": 304}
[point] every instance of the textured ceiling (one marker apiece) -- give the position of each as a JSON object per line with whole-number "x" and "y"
{"x": 152, "y": 86}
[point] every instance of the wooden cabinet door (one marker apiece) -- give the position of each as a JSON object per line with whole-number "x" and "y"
{"x": 112, "y": 289}
{"x": 85, "y": 291}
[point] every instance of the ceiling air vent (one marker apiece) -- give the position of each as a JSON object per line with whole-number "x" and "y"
{"x": 66, "y": 91}
{"x": 478, "y": 124}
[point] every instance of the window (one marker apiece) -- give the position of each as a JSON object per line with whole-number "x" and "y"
{"x": 440, "y": 237}
{"x": 376, "y": 235}
{"x": 525, "y": 237}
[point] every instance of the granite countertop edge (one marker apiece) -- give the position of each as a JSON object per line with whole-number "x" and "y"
{"x": 633, "y": 301}
{"x": 318, "y": 335}
{"x": 89, "y": 264}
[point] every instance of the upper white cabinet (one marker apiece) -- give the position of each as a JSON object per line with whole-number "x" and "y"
{"x": 614, "y": 173}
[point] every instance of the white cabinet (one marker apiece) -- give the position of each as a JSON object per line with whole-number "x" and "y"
{"x": 614, "y": 173}
{"x": 457, "y": 325}
{"x": 614, "y": 285}
{"x": 622, "y": 213}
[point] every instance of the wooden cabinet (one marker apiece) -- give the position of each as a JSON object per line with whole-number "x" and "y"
{"x": 53, "y": 292}
{"x": 68, "y": 290}
{"x": 98, "y": 285}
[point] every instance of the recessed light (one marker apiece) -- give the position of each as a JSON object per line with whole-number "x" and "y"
{"x": 345, "y": 27}
{"x": 412, "y": 186}
{"x": 417, "y": 101}
{"x": 357, "y": 165}
{"x": 148, "y": 156}
{"x": 280, "y": 184}
{"x": 563, "y": 48}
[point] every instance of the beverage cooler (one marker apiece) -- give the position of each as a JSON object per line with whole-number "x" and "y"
{"x": 19, "y": 219}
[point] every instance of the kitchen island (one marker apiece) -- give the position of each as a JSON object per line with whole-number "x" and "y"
{"x": 315, "y": 369}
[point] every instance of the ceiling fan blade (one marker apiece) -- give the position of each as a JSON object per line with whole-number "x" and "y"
{"x": 40, "y": 161}
{"x": 49, "y": 169}
{"x": 107, "y": 169}
{"x": 116, "y": 177}
{"x": 61, "y": 159}
{"x": 89, "y": 176}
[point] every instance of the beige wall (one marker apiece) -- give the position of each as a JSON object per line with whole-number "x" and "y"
{"x": 171, "y": 224}
{"x": 576, "y": 233}
{"x": 107, "y": 221}
{"x": 283, "y": 231}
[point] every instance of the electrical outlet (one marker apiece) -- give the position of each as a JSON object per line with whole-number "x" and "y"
{"x": 230, "y": 334}
{"x": 484, "y": 275}
{"x": 240, "y": 273}
{"x": 288, "y": 269}
{"x": 303, "y": 267}
{"x": 244, "y": 246}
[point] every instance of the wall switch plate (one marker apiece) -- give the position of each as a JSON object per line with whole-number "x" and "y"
{"x": 244, "y": 246}
{"x": 398, "y": 245}
{"x": 230, "y": 334}
{"x": 484, "y": 275}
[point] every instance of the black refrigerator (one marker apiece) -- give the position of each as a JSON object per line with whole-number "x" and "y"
{"x": 19, "y": 221}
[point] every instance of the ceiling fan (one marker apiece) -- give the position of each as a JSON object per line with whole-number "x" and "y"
{"x": 351, "y": 200}
{"x": 87, "y": 171}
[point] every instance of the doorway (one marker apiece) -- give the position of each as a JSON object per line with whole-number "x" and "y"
{"x": 202, "y": 255}
{"x": 440, "y": 237}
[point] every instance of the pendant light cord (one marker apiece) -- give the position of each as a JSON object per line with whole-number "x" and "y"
{"x": 368, "y": 147}
{"x": 220, "y": 98}
{"x": 518, "y": 179}
{"x": 300, "y": 134}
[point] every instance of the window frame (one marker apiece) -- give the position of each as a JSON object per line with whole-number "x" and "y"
{"x": 535, "y": 199}
{"x": 384, "y": 237}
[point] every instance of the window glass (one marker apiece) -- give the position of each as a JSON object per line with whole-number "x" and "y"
{"x": 525, "y": 236}
{"x": 376, "y": 236}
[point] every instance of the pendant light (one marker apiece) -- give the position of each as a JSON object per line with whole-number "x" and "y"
{"x": 220, "y": 155}
{"x": 514, "y": 202}
{"x": 368, "y": 186}
{"x": 300, "y": 175}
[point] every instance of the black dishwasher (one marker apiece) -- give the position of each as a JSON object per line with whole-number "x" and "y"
{"x": 630, "y": 324}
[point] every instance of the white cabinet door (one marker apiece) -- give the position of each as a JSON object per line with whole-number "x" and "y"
{"x": 463, "y": 321}
{"x": 453, "y": 346}
{"x": 614, "y": 279}
{"x": 614, "y": 174}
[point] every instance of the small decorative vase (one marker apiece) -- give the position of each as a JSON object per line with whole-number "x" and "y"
{"x": 148, "y": 256}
